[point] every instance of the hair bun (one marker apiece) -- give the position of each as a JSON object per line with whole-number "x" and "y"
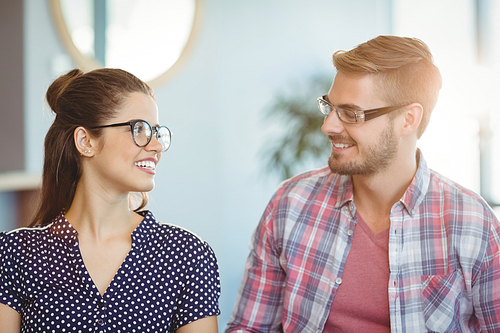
{"x": 58, "y": 87}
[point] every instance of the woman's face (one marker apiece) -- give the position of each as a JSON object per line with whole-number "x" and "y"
{"x": 119, "y": 164}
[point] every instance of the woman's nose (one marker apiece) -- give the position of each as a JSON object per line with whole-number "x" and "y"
{"x": 154, "y": 145}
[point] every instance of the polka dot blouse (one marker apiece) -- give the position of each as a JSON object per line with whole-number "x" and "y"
{"x": 168, "y": 279}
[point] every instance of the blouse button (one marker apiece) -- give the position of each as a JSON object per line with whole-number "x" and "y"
{"x": 100, "y": 305}
{"x": 100, "y": 322}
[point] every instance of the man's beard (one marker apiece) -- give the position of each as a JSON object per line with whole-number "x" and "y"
{"x": 377, "y": 157}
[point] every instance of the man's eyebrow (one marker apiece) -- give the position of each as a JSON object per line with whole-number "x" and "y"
{"x": 352, "y": 107}
{"x": 348, "y": 106}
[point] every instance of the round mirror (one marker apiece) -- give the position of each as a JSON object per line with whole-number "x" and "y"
{"x": 149, "y": 38}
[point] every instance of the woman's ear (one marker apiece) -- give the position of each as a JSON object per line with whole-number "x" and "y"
{"x": 83, "y": 142}
{"x": 413, "y": 114}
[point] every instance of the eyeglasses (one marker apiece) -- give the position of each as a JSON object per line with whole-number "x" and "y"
{"x": 142, "y": 133}
{"x": 354, "y": 116}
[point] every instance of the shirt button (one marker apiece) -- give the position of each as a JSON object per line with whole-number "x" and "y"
{"x": 100, "y": 322}
{"x": 350, "y": 232}
{"x": 338, "y": 280}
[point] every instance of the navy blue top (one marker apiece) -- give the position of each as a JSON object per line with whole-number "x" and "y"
{"x": 169, "y": 278}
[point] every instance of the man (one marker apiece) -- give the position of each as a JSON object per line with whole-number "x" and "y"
{"x": 376, "y": 241}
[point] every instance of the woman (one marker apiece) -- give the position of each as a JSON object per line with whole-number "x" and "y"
{"x": 88, "y": 262}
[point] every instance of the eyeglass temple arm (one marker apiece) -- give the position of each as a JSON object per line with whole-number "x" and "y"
{"x": 113, "y": 125}
{"x": 370, "y": 114}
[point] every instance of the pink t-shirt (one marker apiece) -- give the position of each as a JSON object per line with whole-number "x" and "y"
{"x": 362, "y": 302}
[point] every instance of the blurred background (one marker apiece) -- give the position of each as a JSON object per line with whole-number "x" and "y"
{"x": 236, "y": 82}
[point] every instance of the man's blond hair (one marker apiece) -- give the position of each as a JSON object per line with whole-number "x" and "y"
{"x": 404, "y": 68}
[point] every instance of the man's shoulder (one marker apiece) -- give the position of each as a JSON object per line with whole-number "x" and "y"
{"x": 455, "y": 193}
{"x": 442, "y": 183}
{"x": 307, "y": 177}
{"x": 312, "y": 182}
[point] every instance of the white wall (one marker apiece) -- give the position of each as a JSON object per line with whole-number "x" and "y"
{"x": 210, "y": 181}
{"x": 450, "y": 143}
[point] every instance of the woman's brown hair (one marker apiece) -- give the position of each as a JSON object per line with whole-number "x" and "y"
{"x": 78, "y": 99}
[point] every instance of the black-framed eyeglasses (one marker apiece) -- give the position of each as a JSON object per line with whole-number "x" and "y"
{"x": 354, "y": 116}
{"x": 142, "y": 133}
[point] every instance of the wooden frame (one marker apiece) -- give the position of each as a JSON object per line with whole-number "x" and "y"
{"x": 87, "y": 64}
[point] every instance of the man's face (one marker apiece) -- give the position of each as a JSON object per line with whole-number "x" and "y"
{"x": 359, "y": 149}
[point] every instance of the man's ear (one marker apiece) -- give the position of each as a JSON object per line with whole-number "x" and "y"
{"x": 83, "y": 142}
{"x": 413, "y": 114}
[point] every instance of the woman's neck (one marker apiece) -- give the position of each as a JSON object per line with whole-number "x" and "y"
{"x": 101, "y": 215}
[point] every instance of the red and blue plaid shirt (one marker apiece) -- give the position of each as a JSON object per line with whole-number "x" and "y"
{"x": 443, "y": 257}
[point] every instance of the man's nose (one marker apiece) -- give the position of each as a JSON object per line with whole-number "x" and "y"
{"x": 332, "y": 124}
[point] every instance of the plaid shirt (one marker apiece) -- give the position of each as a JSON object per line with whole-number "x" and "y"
{"x": 443, "y": 257}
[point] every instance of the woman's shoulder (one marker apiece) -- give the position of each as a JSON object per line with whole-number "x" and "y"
{"x": 167, "y": 239}
{"x": 22, "y": 239}
{"x": 168, "y": 229}
{"x": 177, "y": 242}
{"x": 179, "y": 234}
{"x": 24, "y": 233}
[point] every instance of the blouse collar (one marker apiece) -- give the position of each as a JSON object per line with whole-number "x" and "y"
{"x": 61, "y": 228}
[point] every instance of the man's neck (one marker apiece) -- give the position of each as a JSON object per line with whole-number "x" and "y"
{"x": 374, "y": 195}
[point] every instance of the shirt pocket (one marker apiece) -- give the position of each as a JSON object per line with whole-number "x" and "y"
{"x": 441, "y": 301}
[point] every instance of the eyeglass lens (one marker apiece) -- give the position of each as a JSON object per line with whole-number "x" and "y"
{"x": 143, "y": 132}
{"x": 163, "y": 135}
{"x": 324, "y": 107}
{"x": 345, "y": 115}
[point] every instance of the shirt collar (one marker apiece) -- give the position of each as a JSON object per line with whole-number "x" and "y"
{"x": 345, "y": 190}
{"x": 416, "y": 191}
{"x": 143, "y": 231}
{"x": 61, "y": 228}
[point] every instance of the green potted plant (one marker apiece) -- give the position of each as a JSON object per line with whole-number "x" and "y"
{"x": 297, "y": 142}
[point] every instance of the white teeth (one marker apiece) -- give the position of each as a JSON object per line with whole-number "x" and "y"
{"x": 341, "y": 145}
{"x": 146, "y": 164}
